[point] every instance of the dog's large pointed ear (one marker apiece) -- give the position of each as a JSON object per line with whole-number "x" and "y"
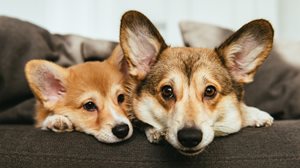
{"x": 141, "y": 43}
{"x": 117, "y": 59}
{"x": 245, "y": 50}
{"x": 47, "y": 81}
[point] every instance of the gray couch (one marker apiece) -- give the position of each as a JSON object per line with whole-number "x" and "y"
{"x": 274, "y": 147}
{"x": 22, "y": 145}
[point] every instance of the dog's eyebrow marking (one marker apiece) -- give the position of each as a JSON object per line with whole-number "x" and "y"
{"x": 92, "y": 95}
{"x": 116, "y": 89}
{"x": 205, "y": 80}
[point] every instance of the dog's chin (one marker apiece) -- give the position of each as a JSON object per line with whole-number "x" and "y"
{"x": 190, "y": 152}
{"x": 182, "y": 150}
{"x": 107, "y": 137}
{"x": 110, "y": 139}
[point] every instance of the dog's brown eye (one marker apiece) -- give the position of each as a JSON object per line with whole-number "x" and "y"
{"x": 167, "y": 92}
{"x": 210, "y": 92}
{"x": 121, "y": 98}
{"x": 90, "y": 106}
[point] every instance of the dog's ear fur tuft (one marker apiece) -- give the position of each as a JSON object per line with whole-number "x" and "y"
{"x": 117, "y": 59}
{"x": 141, "y": 43}
{"x": 47, "y": 81}
{"x": 245, "y": 50}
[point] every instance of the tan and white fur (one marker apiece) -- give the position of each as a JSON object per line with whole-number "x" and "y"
{"x": 87, "y": 97}
{"x": 190, "y": 95}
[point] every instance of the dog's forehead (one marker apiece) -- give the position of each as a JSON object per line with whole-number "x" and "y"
{"x": 185, "y": 65}
{"x": 189, "y": 56}
{"x": 198, "y": 64}
{"x": 190, "y": 60}
{"x": 99, "y": 76}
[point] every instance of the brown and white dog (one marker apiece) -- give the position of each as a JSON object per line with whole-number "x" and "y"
{"x": 190, "y": 95}
{"x": 87, "y": 97}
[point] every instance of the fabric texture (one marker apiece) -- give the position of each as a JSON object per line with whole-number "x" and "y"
{"x": 22, "y": 41}
{"x": 273, "y": 147}
{"x": 276, "y": 84}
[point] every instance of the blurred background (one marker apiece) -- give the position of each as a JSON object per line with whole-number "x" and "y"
{"x": 101, "y": 18}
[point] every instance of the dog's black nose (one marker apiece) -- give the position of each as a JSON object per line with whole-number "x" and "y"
{"x": 121, "y": 131}
{"x": 189, "y": 137}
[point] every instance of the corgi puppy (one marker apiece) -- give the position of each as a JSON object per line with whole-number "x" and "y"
{"x": 190, "y": 95}
{"x": 87, "y": 97}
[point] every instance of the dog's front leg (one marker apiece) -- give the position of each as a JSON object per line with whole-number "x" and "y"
{"x": 256, "y": 118}
{"x": 154, "y": 135}
{"x": 57, "y": 123}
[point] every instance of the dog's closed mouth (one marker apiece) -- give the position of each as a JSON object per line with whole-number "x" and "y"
{"x": 191, "y": 152}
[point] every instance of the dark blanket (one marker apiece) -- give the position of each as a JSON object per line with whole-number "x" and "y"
{"x": 276, "y": 85}
{"x": 22, "y": 41}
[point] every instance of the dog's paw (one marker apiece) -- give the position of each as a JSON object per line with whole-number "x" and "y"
{"x": 57, "y": 123}
{"x": 256, "y": 118}
{"x": 153, "y": 135}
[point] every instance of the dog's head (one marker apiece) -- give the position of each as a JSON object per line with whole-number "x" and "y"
{"x": 191, "y": 93}
{"x": 90, "y": 94}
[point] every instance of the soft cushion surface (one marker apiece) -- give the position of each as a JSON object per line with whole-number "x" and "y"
{"x": 25, "y": 146}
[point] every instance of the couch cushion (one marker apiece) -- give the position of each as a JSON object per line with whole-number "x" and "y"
{"x": 25, "y": 146}
{"x": 276, "y": 85}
